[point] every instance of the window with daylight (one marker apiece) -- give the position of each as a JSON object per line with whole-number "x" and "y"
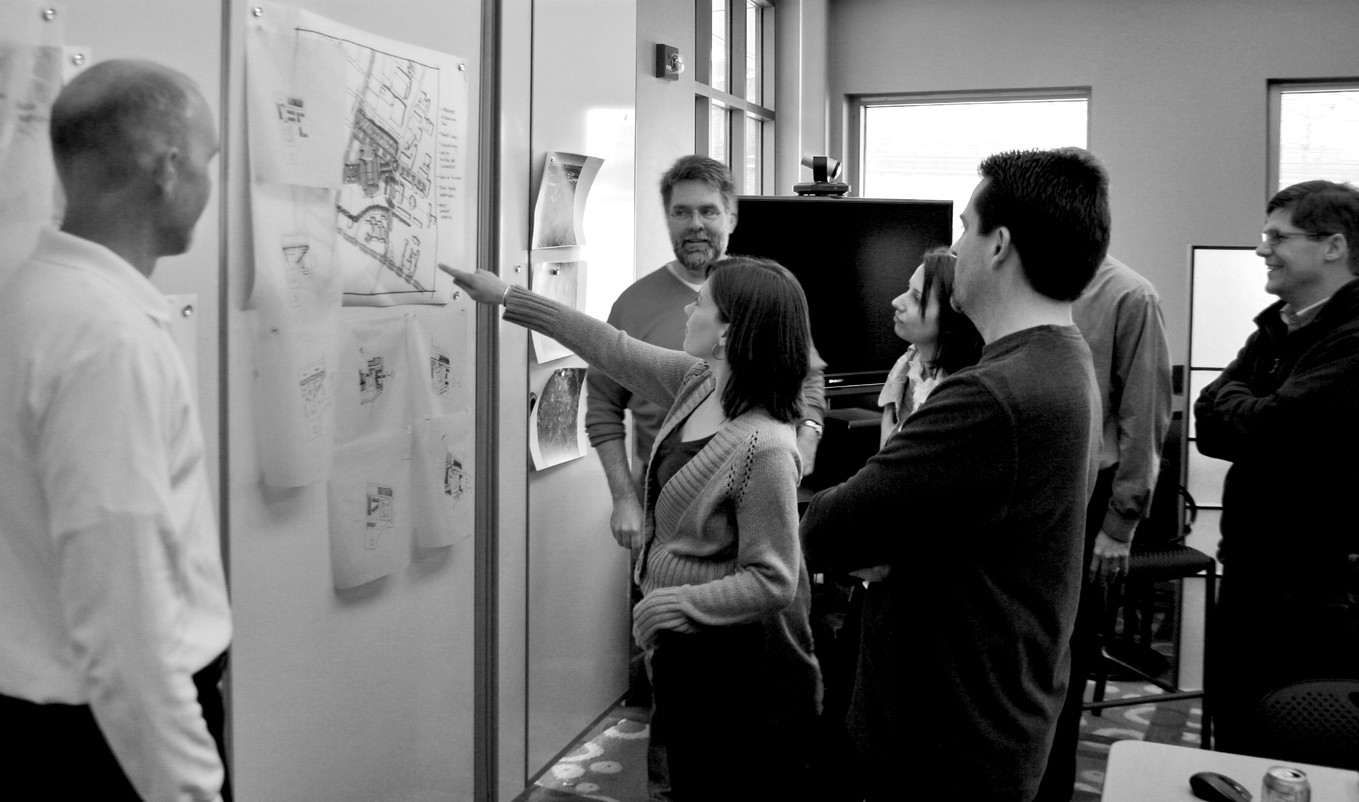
{"x": 734, "y": 89}
{"x": 927, "y": 147}
{"x": 1313, "y": 132}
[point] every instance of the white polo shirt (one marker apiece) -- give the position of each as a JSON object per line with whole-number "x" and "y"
{"x": 112, "y": 592}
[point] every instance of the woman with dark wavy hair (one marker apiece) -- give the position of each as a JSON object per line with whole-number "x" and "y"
{"x": 726, "y": 593}
{"x": 942, "y": 340}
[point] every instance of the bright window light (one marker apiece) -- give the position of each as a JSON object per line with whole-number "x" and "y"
{"x": 1318, "y": 135}
{"x": 930, "y": 150}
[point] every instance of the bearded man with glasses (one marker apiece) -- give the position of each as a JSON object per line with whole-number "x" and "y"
{"x": 1285, "y": 413}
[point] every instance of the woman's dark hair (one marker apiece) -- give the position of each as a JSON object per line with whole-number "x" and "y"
{"x": 768, "y": 335}
{"x": 959, "y": 344}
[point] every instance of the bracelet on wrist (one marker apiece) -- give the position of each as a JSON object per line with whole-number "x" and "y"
{"x": 814, "y": 426}
{"x": 506, "y": 296}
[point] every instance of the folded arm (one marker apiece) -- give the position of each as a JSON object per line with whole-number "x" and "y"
{"x": 1233, "y": 417}
{"x": 922, "y": 476}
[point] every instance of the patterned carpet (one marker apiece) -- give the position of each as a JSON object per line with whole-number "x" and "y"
{"x": 608, "y": 764}
{"x": 1179, "y": 723}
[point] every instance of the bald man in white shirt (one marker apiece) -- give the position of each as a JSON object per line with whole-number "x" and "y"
{"x": 114, "y": 620}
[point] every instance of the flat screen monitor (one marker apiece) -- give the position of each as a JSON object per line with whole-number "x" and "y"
{"x": 853, "y": 256}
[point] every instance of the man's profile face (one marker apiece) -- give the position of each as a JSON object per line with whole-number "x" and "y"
{"x": 1295, "y": 265}
{"x": 970, "y": 250}
{"x": 700, "y": 224}
{"x": 194, "y": 185}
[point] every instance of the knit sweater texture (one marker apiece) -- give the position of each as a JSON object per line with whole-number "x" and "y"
{"x": 720, "y": 539}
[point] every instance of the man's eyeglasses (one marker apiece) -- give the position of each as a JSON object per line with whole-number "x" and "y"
{"x": 1276, "y": 238}
{"x": 708, "y": 213}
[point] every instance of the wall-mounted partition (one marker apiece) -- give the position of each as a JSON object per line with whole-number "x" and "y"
{"x": 351, "y": 155}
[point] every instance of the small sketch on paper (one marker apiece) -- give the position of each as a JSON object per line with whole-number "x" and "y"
{"x": 381, "y": 514}
{"x": 440, "y": 370}
{"x": 455, "y": 478}
{"x": 442, "y": 473}
{"x": 301, "y": 264}
{"x": 314, "y": 383}
{"x": 372, "y": 379}
{"x": 292, "y": 118}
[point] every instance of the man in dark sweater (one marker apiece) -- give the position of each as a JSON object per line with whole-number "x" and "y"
{"x": 1285, "y": 413}
{"x": 978, "y": 505}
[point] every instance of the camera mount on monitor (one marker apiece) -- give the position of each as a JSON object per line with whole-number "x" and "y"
{"x": 824, "y": 172}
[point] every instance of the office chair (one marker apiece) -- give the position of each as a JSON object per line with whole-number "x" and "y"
{"x": 1158, "y": 555}
{"x": 1312, "y": 721}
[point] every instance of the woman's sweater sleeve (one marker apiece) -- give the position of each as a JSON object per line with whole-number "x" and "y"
{"x": 649, "y": 371}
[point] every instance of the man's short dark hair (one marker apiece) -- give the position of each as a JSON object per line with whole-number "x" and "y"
{"x": 129, "y": 116}
{"x": 1322, "y": 208}
{"x": 699, "y": 168}
{"x": 769, "y": 335}
{"x": 1055, "y": 204}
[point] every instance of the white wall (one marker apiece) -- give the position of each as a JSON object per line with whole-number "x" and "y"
{"x": 665, "y": 120}
{"x": 584, "y": 89}
{"x": 1178, "y": 97}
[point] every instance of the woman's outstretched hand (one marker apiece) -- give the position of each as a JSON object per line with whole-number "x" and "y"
{"x": 484, "y": 286}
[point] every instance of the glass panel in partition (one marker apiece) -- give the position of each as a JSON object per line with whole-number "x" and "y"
{"x": 1228, "y": 291}
{"x": 753, "y": 156}
{"x": 754, "y": 53}
{"x": 719, "y": 47}
{"x": 718, "y": 125}
{"x": 1205, "y": 478}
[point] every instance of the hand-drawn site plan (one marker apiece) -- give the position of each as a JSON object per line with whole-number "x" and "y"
{"x": 379, "y": 126}
{"x": 387, "y": 206}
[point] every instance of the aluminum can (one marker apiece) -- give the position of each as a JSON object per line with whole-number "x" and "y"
{"x": 1286, "y": 784}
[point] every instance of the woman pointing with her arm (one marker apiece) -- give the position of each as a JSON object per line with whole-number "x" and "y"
{"x": 726, "y": 591}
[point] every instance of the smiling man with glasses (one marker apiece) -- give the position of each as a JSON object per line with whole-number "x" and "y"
{"x": 1285, "y": 413}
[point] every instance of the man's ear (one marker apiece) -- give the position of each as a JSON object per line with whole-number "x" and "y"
{"x": 165, "y": 168}
{"x": 1001, "y": 245}
{"x": 1337, "y": 248}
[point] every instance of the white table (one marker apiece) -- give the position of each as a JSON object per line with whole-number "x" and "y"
{"x": 1146, "y": 772}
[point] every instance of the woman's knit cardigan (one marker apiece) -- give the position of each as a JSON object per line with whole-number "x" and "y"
{"x": 720, "y": 539}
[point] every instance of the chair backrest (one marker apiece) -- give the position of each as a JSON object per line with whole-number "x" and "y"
{"x": 1166, "y": 524}
{"x": 1312, "y": 721}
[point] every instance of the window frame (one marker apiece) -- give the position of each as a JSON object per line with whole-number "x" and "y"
{"x": 1276, "y": 89}
{"x": 738, "y": 109}
{"x": 860, "y": 104}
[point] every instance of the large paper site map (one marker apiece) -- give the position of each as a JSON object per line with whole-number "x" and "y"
{"x": 387, "y": 206}
{"x": 379, "y": 124}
